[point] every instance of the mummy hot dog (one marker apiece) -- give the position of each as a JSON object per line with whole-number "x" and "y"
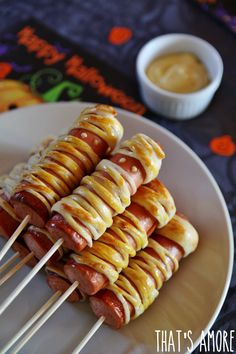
{"x": 152, "y": 206}
{"x": 92, "y": 135}
{"x": 84, "y": 216}
{"x": 8, "y": 218}
{"x": 71, "y": 210}
{"x": 65, "y": 162}
{"x": 138, "y": 285}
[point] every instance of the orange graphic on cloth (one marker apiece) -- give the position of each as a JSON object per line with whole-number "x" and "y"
{"x": 120, "y": 35}
{"x": 14, "y": 94}
{"x": 91, "y": 76}
{"x": 5, "y": 69}
{"x": 42, "y": 48}
{"x": 223, "y": 145}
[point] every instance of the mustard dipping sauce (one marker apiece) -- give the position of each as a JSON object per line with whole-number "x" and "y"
{"x": 178, "y": 72}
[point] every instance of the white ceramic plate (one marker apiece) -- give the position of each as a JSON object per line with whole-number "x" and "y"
{"x": 191, "y": 300}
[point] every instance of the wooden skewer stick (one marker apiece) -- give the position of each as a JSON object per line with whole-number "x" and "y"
{"x": 9, "y": 262}
{"x": 17, "y": 267}
{"x": 89, "y": 335}
{"x": 14, "y": 236}
{"x": 30, "y": 322}
{"x": 30, "y": 276}
{"x": 45, "y": 317}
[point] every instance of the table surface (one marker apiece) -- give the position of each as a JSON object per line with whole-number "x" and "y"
{"x": 88, "y": 24}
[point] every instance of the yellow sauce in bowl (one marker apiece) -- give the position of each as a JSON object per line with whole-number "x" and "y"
{"x": 178, "y": 72}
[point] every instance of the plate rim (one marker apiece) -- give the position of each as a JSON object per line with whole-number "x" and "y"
{"x": 8, "y": 114}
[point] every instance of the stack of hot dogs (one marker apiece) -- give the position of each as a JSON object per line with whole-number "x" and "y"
{"x": 122, "y": 235}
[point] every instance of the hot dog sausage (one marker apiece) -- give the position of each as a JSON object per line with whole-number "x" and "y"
{"x": 152, "y": 206}
{"x": 39, "y": 242}
{"x": 19, "y": 246}
{"x": 8, "y": 219}
{"x": 130, "y": 296}
{"x": 8, "y": 223}
{"x": 85, "y": 215}
{"x": 65, "y": 162}
{"x": 57, "y": 281}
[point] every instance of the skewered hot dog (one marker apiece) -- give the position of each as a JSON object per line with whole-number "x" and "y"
{"x": 20, "y": 247}
{"x": 39, "y": 241}
{"x": 8, "y": 219}
{"x": 8, "y": 223}
{"x": 57, "y": 280}
{"x": 138, "y": 285}
{"x": 65, "y": 162}
{"x": 84, "y": 216}
{"x": 152, "y": 206}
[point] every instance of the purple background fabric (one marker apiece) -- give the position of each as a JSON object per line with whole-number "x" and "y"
{"x": 88, "y": 24}
{"x": 222, "y": 10}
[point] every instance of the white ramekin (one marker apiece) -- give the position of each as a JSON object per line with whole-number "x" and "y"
{"x": 175, "y": 105}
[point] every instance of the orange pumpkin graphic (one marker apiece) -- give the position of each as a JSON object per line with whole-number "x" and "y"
{"x": 14, "y": 94}
{"x": 5, "y": 69}
{"x": 223, "y": 145}
{"x": 120, "y": 35}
